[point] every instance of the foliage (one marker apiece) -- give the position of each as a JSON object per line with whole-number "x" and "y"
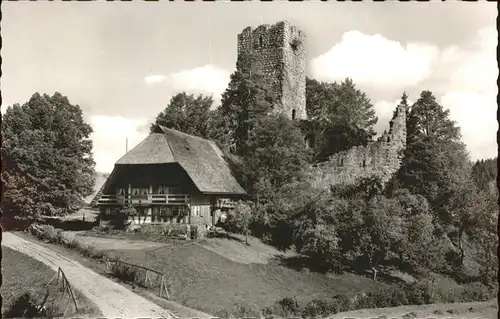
{"x": 47, "y": 148}
{"x": 274, "y": 155}
{"x": 247, "y": 98}
{"x": 340, "y": 115}
{"x": 187, "y": 113}
{"x": 484, "y": 173}
{"x": 435, "y": 160}
{"x": 239, "y": 219}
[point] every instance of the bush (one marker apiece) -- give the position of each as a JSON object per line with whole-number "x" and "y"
{"x": 420, "y": 293}
{"x": 23, "y": 307}
{"x": 477, "y": 292}
{"x": 123, "y": 272}
{"x": 391, "y": 296}
{"x": 318, "y": 307}
{"x": 289, "y": 307}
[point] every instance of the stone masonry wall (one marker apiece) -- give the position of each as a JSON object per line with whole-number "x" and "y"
{"x": 378, "y": 159}
{"x": 281, "y": 54}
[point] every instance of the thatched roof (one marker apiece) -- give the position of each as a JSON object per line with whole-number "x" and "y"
{"x": 202, "y": 160}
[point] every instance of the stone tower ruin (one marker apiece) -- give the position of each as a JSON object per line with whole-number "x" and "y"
{"x": 280, "y": 52}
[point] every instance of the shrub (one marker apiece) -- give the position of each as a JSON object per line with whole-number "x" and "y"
{"x": 391, "y": 296}
{"x": 23, "y": 307}
{"x": 420, "y": 293}
{"x": 341, "y": 303}
{"x": 318, "y": 307}
{"x": 123, "y": 272}
{"x": 289, "y": 306}
{"x": 477, "y": 292}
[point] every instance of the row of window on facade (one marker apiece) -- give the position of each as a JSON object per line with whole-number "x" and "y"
{"x": 145, "y": 191}
{"x": 171, "y": 213}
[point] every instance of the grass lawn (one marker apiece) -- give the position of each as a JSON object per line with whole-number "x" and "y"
{"x": 215, "y": 275}
{"x": 24, "y": 274}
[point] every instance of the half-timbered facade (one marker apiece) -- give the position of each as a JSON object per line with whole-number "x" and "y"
{"x": 171, "y": 177}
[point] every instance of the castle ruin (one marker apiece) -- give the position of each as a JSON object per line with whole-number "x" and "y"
{"x": 280, "y": 52}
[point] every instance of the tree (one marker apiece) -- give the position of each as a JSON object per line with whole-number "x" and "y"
{"x": 435, "y": 159}
{"x": 484, "y": 173}
{"x": 240, "y": 218}
{"x": 187, "y": 113}
{"x": 47, "y": 146}
{"x": 247, "y": 98}
{"x": 275, "y": 153}
{"x": 342, "y": 116}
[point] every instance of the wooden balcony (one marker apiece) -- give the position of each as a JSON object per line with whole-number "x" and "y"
{"x": 145, "y": 200}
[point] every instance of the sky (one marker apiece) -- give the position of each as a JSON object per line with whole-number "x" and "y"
{"x": 122, "y": 61}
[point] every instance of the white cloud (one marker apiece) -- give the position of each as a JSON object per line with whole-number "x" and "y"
{"x": 471, "y": 92}
{"x": 376, "y": 61}
{"x": 109, "y": 138}
{"x": 153, "y": 79}
{"x": 476, "y": 116}
{"x": 204, "y": 79}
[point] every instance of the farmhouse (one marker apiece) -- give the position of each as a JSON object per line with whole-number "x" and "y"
{"x": 171, "y": 177}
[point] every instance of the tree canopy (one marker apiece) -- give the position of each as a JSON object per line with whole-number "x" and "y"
{"x": 46, "y": 147}
{"x": 340, "y": 115}
{"x": 187, "y": 113}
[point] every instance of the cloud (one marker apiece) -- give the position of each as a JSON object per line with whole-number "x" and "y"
{"x": 376, "y": 61}
{"x": 207, "y": 79}
{"x": 109, "y": 138}
{"x": 476, "y": 115}
{"x": 471, "y": 92}
{"x": 153, "y": 79}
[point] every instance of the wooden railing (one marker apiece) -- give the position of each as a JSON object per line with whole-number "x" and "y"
{"x": 149, "y": 199}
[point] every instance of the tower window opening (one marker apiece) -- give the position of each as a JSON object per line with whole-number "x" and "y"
{"x": 260, "y": 41}
{"x": 293, "y": 114}
{"x": 364, "y": 163}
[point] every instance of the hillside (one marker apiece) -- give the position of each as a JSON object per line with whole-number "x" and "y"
{"x": 100, "y": 179}
{"x": 223, "y": 275}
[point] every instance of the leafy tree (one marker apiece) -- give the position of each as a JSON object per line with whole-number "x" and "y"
{"x": 275, "y": 154}
{"x": 187, "y": 113}
{"x": 240, "y": 219}
{"x": 47, "y": 149}
{"x": 341, "y": 116}
{"x": 484, "y": 173}
{"x": 247, "y": 98}
{"x": 435, "y": 160}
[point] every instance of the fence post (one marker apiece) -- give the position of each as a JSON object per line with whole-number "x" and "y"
{"x": 161, "y": 285}
{"x": 165, "y": 286}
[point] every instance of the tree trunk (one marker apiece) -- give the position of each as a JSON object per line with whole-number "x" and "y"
{"x": 460, "y": 247}
{"x": 374, "y": 273}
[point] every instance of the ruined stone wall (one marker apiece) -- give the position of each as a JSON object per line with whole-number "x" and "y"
{"x": 378, "y": 159}
{"x": 281, "y": 55}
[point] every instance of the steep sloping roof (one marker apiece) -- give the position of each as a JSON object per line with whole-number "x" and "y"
{"x": 200, "y": 158}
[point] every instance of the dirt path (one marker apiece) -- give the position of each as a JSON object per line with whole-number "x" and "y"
{"x": 114, "y": 300}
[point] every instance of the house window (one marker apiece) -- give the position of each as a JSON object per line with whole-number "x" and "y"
{"x": 260, "y": 41}
{"x": 196, "y": 211}
{"x": 135, "y": 192}
{"x": 121, "y": 192}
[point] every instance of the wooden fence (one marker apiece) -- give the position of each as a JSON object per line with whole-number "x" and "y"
{"x": 65, "y": 288}
{"x": 147, "y": 277}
